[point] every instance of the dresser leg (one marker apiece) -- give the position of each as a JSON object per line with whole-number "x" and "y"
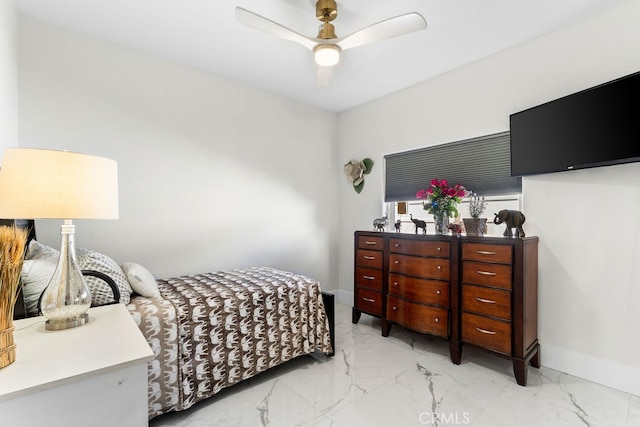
{"x": 355, "y": 315}
{"x": 520, "y": 365}
{"x": 520, "y": 371}
{"x": 386, "y": 327}
{"x": 455, "y": 350}
{"x": 535, "y": 360}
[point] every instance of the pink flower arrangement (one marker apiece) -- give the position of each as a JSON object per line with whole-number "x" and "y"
{"x": 441, "y": 198}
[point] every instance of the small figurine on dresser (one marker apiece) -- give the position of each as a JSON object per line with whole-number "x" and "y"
{"x": 380, "y": 224}
{"x": 456, "y": 228}
{"x": 419, "y": 224}
{"x": 512, "y": 219}
{"x": 398, "y": 226}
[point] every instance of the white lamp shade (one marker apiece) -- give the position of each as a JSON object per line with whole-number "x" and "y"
{"x": 40, "y": 184}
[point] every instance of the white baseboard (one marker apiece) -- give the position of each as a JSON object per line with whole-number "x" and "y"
{"x": 606, "y": 372}
{"x": 344, "y": 297}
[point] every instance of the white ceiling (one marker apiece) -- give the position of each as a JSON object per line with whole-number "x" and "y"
{"x": 205, "y": 34}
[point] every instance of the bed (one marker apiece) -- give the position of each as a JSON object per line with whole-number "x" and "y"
{"x": 207, "y": 331}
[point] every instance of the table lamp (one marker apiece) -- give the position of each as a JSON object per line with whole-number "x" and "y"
{"x": 49, "y": 184}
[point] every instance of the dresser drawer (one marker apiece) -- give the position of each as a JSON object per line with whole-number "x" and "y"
{"x": 369, "y": 301}
{"x": 486, "y": 252}
{"x": 372, "y": 259}
{"x": 366, "y": 242}
{"x": 487, "y": 333}
{"x": 369, "y": 278}
{"x": 489, "y": 301}
{"x": 419, "y": 290}
{"x": 432, "y": 268}
{"x": 418, "y": 317}
{"x": 420, "y": 248}
{"x": 484, "y": 273}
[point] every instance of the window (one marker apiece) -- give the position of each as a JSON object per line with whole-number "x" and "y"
{"x": 482, "y": 165}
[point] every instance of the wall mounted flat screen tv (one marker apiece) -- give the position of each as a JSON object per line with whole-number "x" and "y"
{"x": 595, "y": 127}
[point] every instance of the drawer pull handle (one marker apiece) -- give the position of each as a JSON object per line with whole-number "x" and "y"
{"x": 369, "y": 257}
{"x": 484, "y": 331}
{"x": 396, "y": 262}
{"x": 369, "y": 243}
{"x": 488, "y": 301}
{"x": 437, "y": 320}
{"x": 485, "y": 252}
{"x": 394, "y": 308}
{"x": 397, "y": 245}
{"x": 395, "y": 283}
{"x": 486, "y": 273}
{"x": 369, "y": 299}
{"x": 438, "y": 292}
{"x": 439, "y": 267}
{"x": 369, "y": 277}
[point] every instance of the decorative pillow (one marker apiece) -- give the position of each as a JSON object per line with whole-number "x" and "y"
{"x": 37, "y": 270}
{"x": 37, "y": 250}
{"x": 141, "y": 280}
{"x": 101, "y": 292}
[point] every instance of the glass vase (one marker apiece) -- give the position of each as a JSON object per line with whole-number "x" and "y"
{"x": 441, "y": 221}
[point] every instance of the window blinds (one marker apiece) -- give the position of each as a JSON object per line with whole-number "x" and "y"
{"x": 482, "y": 165}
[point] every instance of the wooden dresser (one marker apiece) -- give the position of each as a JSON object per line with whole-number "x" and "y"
{"x": 475, "y": 290}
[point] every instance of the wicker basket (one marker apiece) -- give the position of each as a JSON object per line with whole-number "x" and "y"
{"x": 7, "y": 347}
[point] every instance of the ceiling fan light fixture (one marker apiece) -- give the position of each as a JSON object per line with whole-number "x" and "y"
{"x": 326, "y": 55}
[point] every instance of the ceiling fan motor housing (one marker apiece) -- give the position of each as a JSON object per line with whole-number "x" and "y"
{"x": 327, "y": 31}
{"x": 326, "y": 10}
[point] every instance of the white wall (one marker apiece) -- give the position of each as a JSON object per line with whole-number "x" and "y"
{"x": 212, "y": 174}
{"x": 589, "y": 277}
{"x": 8, "y": 76}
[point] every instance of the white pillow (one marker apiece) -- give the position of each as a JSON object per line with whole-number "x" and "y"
{"x": 141, "y": 280}
{"x": 37, "y": 250}
{"x": 37, "y": 270}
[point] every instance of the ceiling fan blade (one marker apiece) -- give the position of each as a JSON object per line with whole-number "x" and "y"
{"x": 323, "y": 76}
{"x": 266, "y": 25}
{"x": 389, "y": 28}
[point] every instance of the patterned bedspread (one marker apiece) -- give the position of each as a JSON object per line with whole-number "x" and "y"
{"x": 212, "y": 330}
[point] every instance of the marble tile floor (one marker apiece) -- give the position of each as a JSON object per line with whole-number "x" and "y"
{"x": 407, "y": 379}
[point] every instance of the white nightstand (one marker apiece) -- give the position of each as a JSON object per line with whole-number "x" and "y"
{"x": 92, "y": 375}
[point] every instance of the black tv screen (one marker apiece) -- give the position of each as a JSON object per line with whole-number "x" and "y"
{"x": 595, "y": 127}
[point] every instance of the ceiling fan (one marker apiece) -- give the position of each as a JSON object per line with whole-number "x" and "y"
{"x": 327, "y": 47}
